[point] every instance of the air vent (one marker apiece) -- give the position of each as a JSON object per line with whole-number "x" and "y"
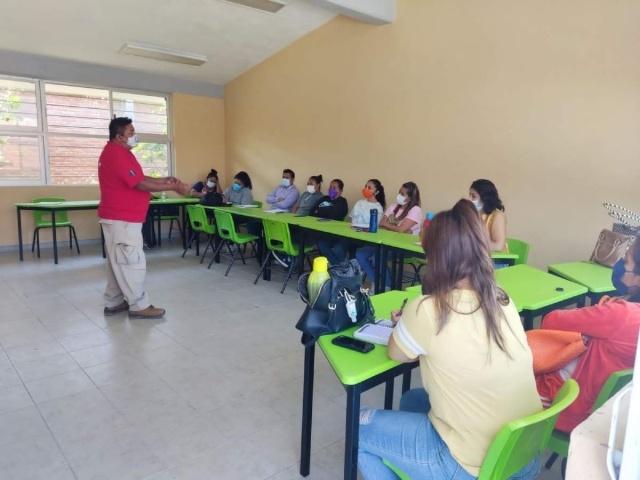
{"x": 163, "y": 54}
{"x": 271, "y": 6}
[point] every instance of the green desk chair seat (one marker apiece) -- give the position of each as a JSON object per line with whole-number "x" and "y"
{"x": 559, "y": 442}
{"x": 277, "y": 237}
{"x": 43, "y": 220}
{"x": 230, "y": 238}
{"x": 520, "y": 248}
{"x": 199, "y": 222}
{"x": 520, "y": 441}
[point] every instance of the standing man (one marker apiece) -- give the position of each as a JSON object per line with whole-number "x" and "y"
{"x": 285, "y": 195}
{"x": 124, "y": 201}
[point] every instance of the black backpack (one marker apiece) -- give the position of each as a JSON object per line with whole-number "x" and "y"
{"x": 328, "y": 313}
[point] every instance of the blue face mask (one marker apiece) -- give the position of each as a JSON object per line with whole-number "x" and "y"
{"x": 236, "y": 187}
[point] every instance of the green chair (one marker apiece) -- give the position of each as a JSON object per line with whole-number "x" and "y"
{"x": 520, "y": 441}
{"x": 230, "y": 237}
{"x": 257, "y": 203}
{"x": 277, "y": 237}
{"x": 559, "y": 442}
{"x": 520, "y": 248}
{"x": 43, "y": 220}
{"x": 416, "y": 264}
{"x": 199, "y": 222}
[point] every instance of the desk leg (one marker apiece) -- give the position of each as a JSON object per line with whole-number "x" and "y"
{"x": 381, "y": 268}
{"x": 352, "y": 432}
{"x": 186, "y": 228}
{"x": 307, "y": 410}
{"x": 55, "y": 239}
{"x": 104, "y": 253}
{"x": 19, "y": 215}
{"x": 388, "y": 393}
{"x": 400, "y": 271}
{"x": 406, "y": 381}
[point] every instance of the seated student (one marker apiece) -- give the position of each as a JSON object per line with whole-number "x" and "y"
{"x": 484, "y": 195}
{"x": 402, "y": 216}
{"x": 474, "y": 359}
{"x": 211, "y": 184}
{"x": 239, "y": 193}
{"x": 625, "y": 273}
{"x": 310, "y": 198}
{"x": 445, "y": 429}
{"x": 373, "y": 193}
{"x": 285, "y": 195}
{"x": 333, "y": 205}
{"x": 610, "y": 332}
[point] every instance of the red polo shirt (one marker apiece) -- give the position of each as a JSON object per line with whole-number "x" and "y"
{"x": 119, "y": 173}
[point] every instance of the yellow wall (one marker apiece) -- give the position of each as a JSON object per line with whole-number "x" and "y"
{"x": 541, "y": 97}
{"x": 198, "y": 137}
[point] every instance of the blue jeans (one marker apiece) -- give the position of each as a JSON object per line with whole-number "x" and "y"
{"x": 335, "y": 251}
{"x": 407, "y": 439}
{"x": 366, "y": 258}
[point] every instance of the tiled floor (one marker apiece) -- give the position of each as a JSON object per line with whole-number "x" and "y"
{"x": 213, "y": 391}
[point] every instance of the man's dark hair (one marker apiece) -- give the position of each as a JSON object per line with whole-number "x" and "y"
{"x": 117, "y": 126}
{"x": 289, "y": 171}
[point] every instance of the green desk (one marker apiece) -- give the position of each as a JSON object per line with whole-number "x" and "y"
{"x": 53, "y": 207}
{"x": 597, "y": 278}
{"x": 400, "y": 243}
{"x": 358, "y": 373}
{"x": 534, "y": 292}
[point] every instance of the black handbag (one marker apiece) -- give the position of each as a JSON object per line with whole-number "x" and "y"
{"x": 339, "y": 296}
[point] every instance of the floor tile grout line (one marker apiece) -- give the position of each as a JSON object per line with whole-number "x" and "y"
{"x": 44, "y": 420}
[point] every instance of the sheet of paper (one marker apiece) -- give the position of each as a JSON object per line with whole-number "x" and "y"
{"x": 374, "y": 333}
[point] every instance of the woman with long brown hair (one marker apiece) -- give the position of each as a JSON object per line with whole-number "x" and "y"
{"x": 474, "y": 359}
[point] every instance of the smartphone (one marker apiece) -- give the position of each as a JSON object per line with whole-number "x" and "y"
{"x": 353, "y": 344}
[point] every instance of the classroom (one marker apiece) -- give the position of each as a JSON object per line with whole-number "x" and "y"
{"x": 321, "y": 239}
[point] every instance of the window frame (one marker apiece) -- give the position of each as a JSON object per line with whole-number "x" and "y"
{"x": 42, "y": 134}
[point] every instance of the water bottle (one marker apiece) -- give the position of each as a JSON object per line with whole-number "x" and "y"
{"x": 373, "y": 220}
{"x": 318, "y": 276}
{"x": 163, "y": 195}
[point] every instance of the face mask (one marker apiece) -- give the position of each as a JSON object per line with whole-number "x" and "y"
{"x": 285, "y": 182}
{"x": 478, "y": 204}
{"x": 132, "y": 141}
{"x": 366, "y": 193}
{"x": 211, "y": 184}
{"x": 333, "y": 193}
{"x": 236, "y": 187}
{"x": 311, "y": 189}
{"x": 401, "y": 199}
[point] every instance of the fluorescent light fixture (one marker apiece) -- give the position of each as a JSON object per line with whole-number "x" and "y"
{"x": 164, "y": 54}
{"x": 271, "y": 6}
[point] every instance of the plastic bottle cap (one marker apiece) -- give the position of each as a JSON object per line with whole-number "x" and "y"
{"x": 320, "y": 264}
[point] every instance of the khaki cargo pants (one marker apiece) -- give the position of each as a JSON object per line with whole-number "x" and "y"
{"x": 126, "y": 264}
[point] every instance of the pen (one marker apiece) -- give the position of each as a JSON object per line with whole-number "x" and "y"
{"x": 404, "y": 303}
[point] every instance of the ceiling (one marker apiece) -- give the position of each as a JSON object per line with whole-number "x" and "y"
{"x": 234, "y": 38}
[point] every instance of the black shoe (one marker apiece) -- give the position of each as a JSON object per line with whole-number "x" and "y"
{"x": 123, "y": 307}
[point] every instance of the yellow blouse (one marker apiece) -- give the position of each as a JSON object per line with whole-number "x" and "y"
{"x": 488, "y": 222}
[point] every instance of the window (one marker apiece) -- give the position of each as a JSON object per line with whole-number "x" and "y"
{"x": 52, "y": 133}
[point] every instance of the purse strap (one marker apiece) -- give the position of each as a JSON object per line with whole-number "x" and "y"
{"x": 622, "y": 214}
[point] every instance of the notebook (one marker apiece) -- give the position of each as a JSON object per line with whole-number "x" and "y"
{"x": 377, "y": 333}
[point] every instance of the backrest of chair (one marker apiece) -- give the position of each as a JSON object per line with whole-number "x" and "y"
{"x": 225, "y": 226}
{"x": 277, "y": 236}
{"x": 199, "y": 220}
{"x": 520, "y": 441}
{"x": 41, "y": 218}
{"x": 520, "y": 248}
{"x": 615, "y": 383}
